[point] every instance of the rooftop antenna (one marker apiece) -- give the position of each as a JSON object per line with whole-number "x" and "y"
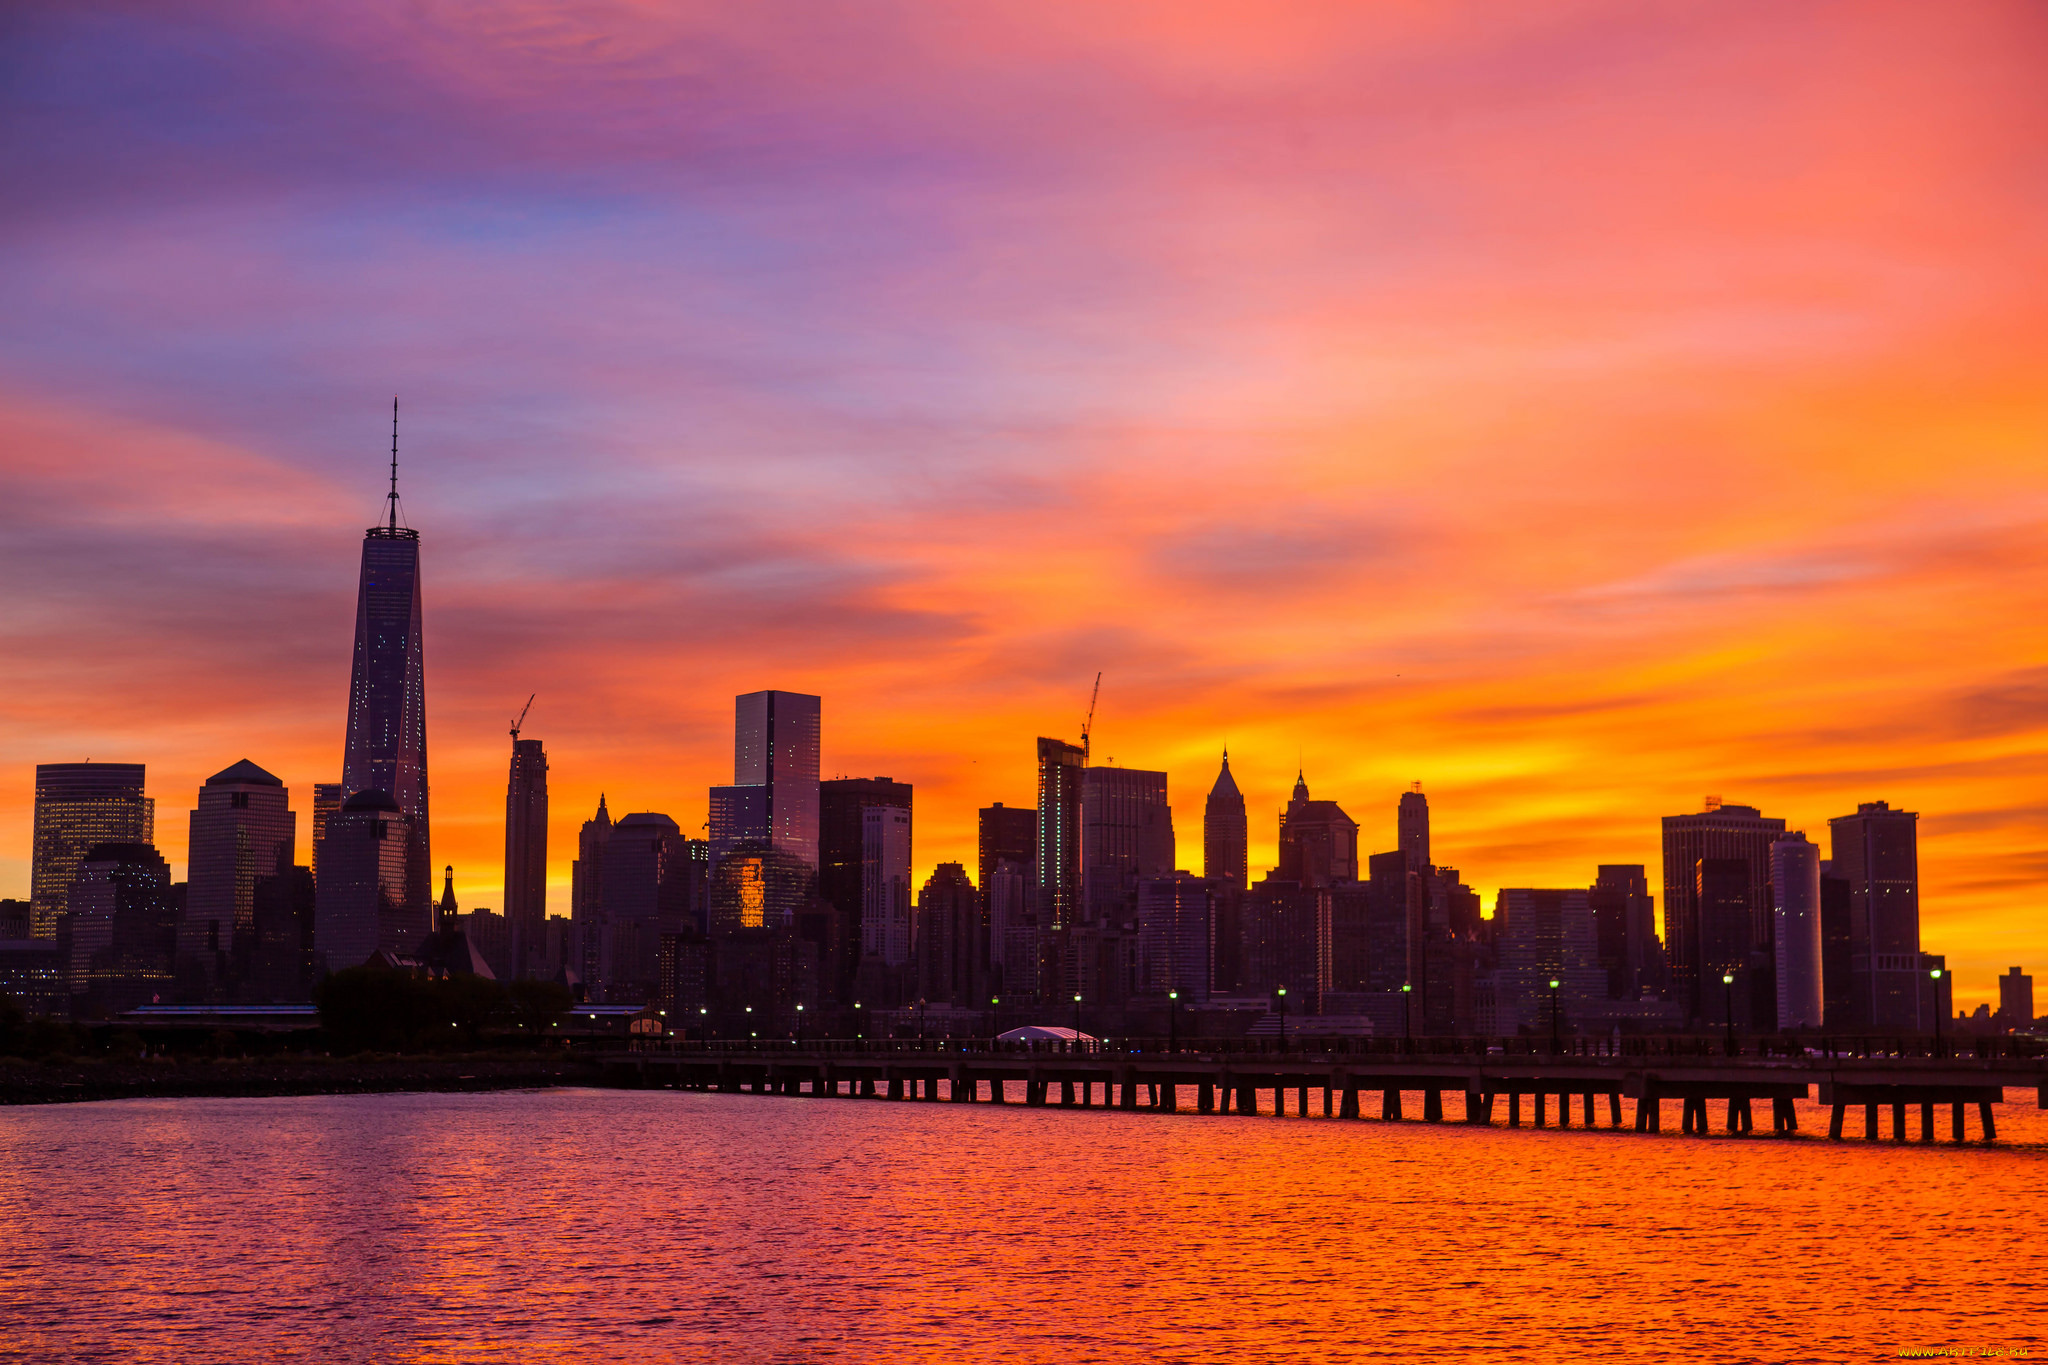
{"x": 1089, "y": 723}
{"x": 522, "y": 715}
{"x": 394, "y": 464}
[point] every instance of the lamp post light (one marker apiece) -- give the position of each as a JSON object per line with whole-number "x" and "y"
{"x": 1728, "y": 989}
{"x": 1281, "y": 992}
{"x": 1077, "y": 1021}
{"x": 993, "y": 1001}
{"x": 1173, "y": 1021}
{"x": 1406, "y": 991}
{"x": 1556, "y": 1027}
{"x": 799, "y": 1022}
{"x": 1934, "y": 975}
{"x": 858, "y": 1032}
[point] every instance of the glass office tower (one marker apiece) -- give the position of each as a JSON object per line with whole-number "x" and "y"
{"x": 79, "y": 806}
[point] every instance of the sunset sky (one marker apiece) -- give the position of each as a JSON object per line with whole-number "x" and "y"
{"x": 1580, "y": 408}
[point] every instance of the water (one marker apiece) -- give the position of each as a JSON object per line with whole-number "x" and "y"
{"x": 654, "y": 1226}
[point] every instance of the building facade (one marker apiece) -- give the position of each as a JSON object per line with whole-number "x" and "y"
{"x": 1226, "y": 833}
{"x": 1795, "y": 889}
{"x": 79, "y": 806}
{"x": 526, "y": 859}
{"x": 243, "y": 829}
{"x": 363, "y": 902}
{"x": 1126, "y": 833}
{"x": 1741, "y": 833}
{"x": 1876, "y": 851}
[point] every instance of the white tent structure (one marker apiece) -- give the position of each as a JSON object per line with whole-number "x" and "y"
{"x": 1035, "y": 1033}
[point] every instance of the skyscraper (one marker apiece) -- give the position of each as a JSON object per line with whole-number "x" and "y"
{"x": 1318, "y": 841}
{"x": 2016, "y": 1000}
{"x": 124, "y": 926}
{"x": 526, "y": 855}
{"x": 364, "y": 901}
{"x": 1795, "y": 888}
{"x": 1411, "y": 824}
{"x": 1126, "y": 833}
{"x": 1175, "y": 922}
{"x": 243, "y": 829}
{"x": 586, "y": 892}
{"x": 326, "y": 801}
{"x": 951, "y": 956}
{"x": 770, "y": 812}
{"x": 843, "y": 850}
{"x": 1060, "y": 766}
{"x": 1720, "y": 831}
{"x": 1225, "y": 833}
{"x": 1876, "y": 851}
{"x": 885, "y": 919}
{"x": 647, "y": 892}
{"x": 386, "y": 749}
{"x": 79, "y": 806}
{"x": 1624, "y": 918}
{"x": 1543, "y": 936}
{"x": 775, "y": 745}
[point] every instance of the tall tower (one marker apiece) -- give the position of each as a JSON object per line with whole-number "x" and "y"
{"x": 1877, "y": 851}
{"x": 1411, "y": 824}
{"x": 243, "y": 828}
{"x": 526, "y": 854}
{"x": 1225, "y": 834}
{"x": 1717, "y": 834}
{"x": 387, "y": 696}
{"x": 80, "y": 805}
{"x": 1060, "y": 766}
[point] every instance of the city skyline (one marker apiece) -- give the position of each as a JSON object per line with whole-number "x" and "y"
{"x": 1560, "y": 522}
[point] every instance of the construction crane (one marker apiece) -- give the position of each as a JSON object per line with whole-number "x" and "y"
{"x": 522, "y": 716}
{"x": 1089, "y": 724}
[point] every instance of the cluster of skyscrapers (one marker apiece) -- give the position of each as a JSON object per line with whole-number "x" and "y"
{"x": 798, "y": 903}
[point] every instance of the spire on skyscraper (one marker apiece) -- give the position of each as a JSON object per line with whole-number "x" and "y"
{"x": 393, "y": 497}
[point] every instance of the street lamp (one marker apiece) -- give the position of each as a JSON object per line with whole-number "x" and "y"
{"x": 1077, "y": 1021}
{"x": 920, "y": 1019}
{"x": 1281, "y": 991}
{"x": 1406, "y": 991}
{"x": 799, "y": 1022}
{"x": 993, "y": 1001}
{"x": 1934, "y": 975}
{"x": 856, "y": 1023}
{"x": 1728, "y": 987}
{"x": 1173, "y": 1021}
{"x": 1556, "y": 1044}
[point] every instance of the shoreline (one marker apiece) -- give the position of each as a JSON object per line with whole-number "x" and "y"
{"x": 76, "y": 1082}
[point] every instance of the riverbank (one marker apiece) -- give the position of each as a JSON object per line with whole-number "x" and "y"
{"x": 72, "y": 1080}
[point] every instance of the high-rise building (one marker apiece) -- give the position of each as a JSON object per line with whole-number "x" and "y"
{"x": 770, "y": 812}
{"x": 843, "y": 849}
{"x": 1624, "y": 918}
{"x": 1226, "y": 840}
{"x": 243, "y": 829}
{"x": 326, "y": 801}
{"x": 646, "y": 893}
{"x": 1837, "y": 1000}
{"x": 2015, "y": 1000}
{"x": 1284, "y": 930}
{"x": 1126, "y": 833}
{"x": 1876, "y": 851}
{"x": 1411, "y": 825}
{"x": 885, "y": 919}
{"x": 1318, "y": 841}
{"x": 79, "y": 806}
{"x": 526, "y": 857}
{"x": 364, "y": 901}
{"x": 951, "y": 956}
{"x": 1718, "y": 832}
{"x": 586, "y": 894}
{"x": 775, "y": 745}
{"x": 1795, "y": 889}
{"x": 1060, "y": 766}
{"x": 386, "y": 749}
{"x": 1013, "y": 953}
{"x": 124, "y": 926}
{"x": 1174, "y": 924}
{"x": 1542, "y": 936}
{"x": 278, "y": 968}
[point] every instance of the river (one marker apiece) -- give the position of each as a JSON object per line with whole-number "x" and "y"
{"x": 670, "y": 1226}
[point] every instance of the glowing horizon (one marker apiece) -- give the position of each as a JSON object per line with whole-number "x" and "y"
{"x": 1578, "y": 409}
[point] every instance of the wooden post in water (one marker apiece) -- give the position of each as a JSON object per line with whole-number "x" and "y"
{"x": 1390, "y": 1105}
{"x": 1956, "y": 1121}
{"x": 1474, "y": 1110}
{"x": 1347, "y": 1106}
{"x": 1540, "y": 1100}
{"x": 1835, "y": 1121}
{"x": 1984, "y": 1117}
{"x": 1898, "y": 1123}
{"x": 1870, "y": 1122}
{"x": 1514, "y": 1109}
{"x": 1205, "y": 1097}
{"x": 1613, "y": 1108}
{"x": 1432, "y": 1105}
